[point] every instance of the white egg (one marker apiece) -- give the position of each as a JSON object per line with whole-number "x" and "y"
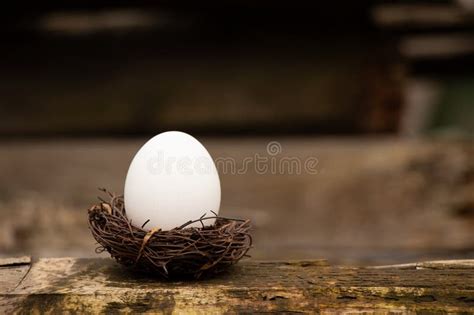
{"x": 172, "y": 179}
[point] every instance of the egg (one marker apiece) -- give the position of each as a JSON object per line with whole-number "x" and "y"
{"x": 172, "y": 179}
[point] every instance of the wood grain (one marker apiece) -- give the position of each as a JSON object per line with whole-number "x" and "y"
{"x": 60, "y": 285}
{"x": 373, "y": 201}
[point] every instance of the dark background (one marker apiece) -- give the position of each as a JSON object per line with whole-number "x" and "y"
{"x": 380, "y": 92}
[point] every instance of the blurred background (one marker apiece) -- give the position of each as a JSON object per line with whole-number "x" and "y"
{"x": 381, "y": 93}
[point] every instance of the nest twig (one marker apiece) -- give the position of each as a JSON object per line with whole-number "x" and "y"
{"x": 181, "y": 252}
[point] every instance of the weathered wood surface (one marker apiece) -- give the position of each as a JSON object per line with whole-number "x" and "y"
{"x": 100, "y": 285}
{"x": 13, "y": 271}
{"x": 373, "y": 201}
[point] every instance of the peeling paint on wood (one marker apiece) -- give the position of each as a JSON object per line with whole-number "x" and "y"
{"x": 100, "y": 285}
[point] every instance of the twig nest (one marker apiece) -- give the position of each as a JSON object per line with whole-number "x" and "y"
{"x": 183, "y": 252}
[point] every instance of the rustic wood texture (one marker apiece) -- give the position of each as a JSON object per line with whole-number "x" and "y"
{"x": 373, "y": 201}
{"x": 99, "y": 285}
{"x": 12, "y": 271}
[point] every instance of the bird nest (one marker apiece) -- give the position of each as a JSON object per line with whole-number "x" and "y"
{"x": 183, "y": 252}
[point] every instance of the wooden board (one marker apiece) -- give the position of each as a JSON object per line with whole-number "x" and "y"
{"x": 373, "y": 201}
{"x": 100, "y": 285}
{"x": 12, "y": 271}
